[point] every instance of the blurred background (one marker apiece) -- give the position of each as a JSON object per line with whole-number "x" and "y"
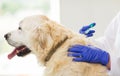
{"x": 71, "y": 13}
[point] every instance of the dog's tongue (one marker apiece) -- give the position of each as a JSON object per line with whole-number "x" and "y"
{"x": 14, "y": 52}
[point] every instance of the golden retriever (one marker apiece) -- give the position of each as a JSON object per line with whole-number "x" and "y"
{"x": 49, "y": 41}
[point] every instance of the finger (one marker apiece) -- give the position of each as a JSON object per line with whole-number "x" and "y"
{"x": 76, "y": 48}
{"x": 74, "y": 54}
{"x": 78, "y": 59}
{"x": 89, "y": 35}
{"x": 91, "y": 31}
{"x": 84, "y": 28}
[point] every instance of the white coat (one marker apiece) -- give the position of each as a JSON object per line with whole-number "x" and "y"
{"x": 110, "y": 42}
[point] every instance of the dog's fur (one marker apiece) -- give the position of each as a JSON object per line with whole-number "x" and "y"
{"x": 50, "y": 41}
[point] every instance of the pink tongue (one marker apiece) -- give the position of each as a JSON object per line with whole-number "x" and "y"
{"x": 12, "y": 54}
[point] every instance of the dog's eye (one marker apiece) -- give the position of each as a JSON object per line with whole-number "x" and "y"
{"x": 20, "y": 28}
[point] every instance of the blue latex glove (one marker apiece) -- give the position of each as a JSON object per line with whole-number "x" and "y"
{"x": 86, "y": 30}
{"x": 89, "y": 54}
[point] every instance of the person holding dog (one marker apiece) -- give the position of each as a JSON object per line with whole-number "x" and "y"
{"x": 101, "y": 54}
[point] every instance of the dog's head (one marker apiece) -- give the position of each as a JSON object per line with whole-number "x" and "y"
{"x": 36, "y": 34}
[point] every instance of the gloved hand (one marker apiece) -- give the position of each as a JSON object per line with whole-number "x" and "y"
{"x": 85, "y": 30}
{"x": 89, "y": 54}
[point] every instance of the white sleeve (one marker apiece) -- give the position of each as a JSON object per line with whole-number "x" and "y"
{"x": 107, "y": 43}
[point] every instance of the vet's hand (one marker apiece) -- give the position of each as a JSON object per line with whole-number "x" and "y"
{"x": 81, "y": 53}
{"x": 85, "y": 30}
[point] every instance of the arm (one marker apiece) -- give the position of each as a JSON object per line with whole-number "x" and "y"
{"x": 107, "y": 42}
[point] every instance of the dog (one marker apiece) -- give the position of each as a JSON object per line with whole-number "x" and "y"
{"x": 50, "y": 41}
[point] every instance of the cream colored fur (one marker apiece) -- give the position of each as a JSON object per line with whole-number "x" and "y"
{"x": 60, "y": 64}
{"x": 45, "y": 35}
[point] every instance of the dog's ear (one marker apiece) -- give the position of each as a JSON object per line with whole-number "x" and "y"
{"x": 41, "y": 43}
{"x": 42, "y": 38}
{"x": 41, "y": 33}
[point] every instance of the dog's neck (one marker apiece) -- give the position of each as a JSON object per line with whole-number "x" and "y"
{"x": 53, "y": 50}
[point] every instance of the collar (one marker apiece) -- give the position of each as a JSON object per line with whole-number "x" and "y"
{"x": 53, "y": 50}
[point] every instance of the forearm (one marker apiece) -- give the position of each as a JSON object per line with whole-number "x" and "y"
{"x": 109, "y": 64}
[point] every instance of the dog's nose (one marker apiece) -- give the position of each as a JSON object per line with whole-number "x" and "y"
{"x": 7, "y": 35}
